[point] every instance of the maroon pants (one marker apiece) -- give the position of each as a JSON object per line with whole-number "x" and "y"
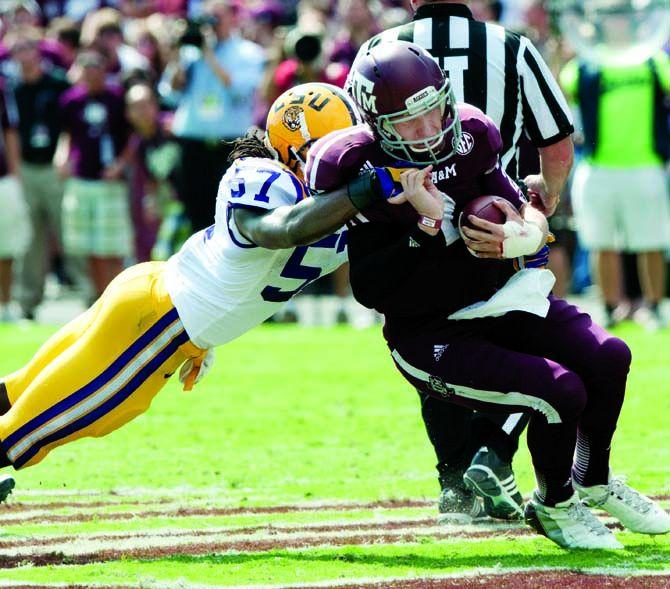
{"x": 564, "y": 369}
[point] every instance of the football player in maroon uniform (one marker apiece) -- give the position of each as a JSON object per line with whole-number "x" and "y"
{"x": 505, "y": 344}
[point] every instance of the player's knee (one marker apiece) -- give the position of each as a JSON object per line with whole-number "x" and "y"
{"x": 613, "y": 357}
{"x": 570, "y": 395}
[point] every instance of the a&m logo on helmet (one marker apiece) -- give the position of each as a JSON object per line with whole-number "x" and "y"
{"x": 466, "y": 143}
{"x": 292, "y": 118}
{"x": 362, "y": 90}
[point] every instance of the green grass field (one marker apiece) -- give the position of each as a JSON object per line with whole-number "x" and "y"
{"x": 301, "y": 459}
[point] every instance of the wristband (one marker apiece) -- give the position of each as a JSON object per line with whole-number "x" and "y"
{"x": 538, "y": 260}
{"x": 430, "y": 222}
{"x": 520, "y": 240}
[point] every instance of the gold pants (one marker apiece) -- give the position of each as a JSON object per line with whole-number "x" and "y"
{"x": 99, "y": 371}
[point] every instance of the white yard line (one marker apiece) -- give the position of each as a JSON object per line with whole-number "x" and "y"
{"x": 85, "y": 547}
{"x": 372, "y": 581}
{"x": 269, "y": 531}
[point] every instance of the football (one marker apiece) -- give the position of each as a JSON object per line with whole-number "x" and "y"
{"x": 482, "y": 207}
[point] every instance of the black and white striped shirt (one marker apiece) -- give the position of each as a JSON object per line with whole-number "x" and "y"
{"x": 497, "y": 71}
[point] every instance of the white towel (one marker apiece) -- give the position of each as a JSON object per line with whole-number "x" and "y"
{"x": 526, "y": 291}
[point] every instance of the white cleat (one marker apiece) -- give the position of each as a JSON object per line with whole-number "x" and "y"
{"x": 570, "y": 524}
{"x": 635, "y": 511}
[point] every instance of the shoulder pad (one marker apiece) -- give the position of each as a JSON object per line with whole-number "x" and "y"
{"x": 260, "y": 183}
{"x": 333, "y": 159}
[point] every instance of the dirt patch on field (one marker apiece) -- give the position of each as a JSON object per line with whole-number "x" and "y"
{"x": 488, "y": 529}
{"x": 269, "y": 529}
{"x": 197, "y": 548}
{"x": 29, "y": 506}
{"x": 519, "y": 580}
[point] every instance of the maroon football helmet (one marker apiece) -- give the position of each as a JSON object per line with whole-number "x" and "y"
{"x": 397, "y": 82}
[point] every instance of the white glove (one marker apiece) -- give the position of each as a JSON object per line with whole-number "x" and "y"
{"x": 450, "y": 232}
{"x": 521, "y": 240}
{"x": 194, "y": 369}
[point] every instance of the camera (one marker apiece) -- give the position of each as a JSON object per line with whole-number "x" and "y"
{"x": 305, "y": 46}
{"x": 193, "y": 31}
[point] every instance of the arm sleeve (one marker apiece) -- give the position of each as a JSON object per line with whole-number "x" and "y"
{"x": 385, "y": 262}
{"x": 545, "y": 110}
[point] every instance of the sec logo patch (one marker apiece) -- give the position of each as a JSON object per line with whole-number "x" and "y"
{"x": 466, "y": 144}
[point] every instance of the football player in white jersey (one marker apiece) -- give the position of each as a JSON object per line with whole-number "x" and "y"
{"x": 268, "y": 241}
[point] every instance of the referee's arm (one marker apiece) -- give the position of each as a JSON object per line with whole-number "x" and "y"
{"x": 549, "y": 126}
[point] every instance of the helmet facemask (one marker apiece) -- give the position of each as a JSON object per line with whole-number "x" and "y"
{"x": 428, "y": 150}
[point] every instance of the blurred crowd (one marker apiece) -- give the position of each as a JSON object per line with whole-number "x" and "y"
{"x": 116, "y": 113}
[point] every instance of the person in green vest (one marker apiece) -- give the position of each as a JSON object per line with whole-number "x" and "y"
{"x": 620, "y": 189}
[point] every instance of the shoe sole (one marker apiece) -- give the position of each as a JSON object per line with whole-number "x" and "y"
{"x": 482, "y": 481}
{"x": 6, "y": 487}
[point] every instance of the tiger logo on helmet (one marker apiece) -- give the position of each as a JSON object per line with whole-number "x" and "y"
{"x": 304, "y": 114}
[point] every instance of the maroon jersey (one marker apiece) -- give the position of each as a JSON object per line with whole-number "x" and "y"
{"x": 473, "y": 171}
{"x": 97, "y": 127}
{"x": 393, "y": 264}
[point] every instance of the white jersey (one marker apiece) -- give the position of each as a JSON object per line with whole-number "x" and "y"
{"x": 222, "y": 284}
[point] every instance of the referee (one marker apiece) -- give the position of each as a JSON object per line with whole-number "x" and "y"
{"x": 501, "y": 73}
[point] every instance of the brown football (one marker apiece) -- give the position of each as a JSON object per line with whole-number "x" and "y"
{"x": 481, "y": 207}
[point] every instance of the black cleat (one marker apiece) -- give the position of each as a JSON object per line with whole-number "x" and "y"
{"x": 7, "y": 483}
{"x": 493, "y": 480}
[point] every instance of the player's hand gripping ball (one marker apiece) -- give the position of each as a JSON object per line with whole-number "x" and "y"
{"x": 484, "y": 208}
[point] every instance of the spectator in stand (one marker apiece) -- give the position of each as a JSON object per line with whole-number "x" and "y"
{"x": 358, "y": 22}
{"x": 91, "y": 154}
{"x": 217, "y": 79}
{"x": 620, "y": 188}
{"x": 486, "y": 10}
{"x": 37, "y": 93}
{"x": 156, "y": 155}
{"x": 14, "y": 225}
{"x": 75, "y": 10}
{"x": 102, "y": 30}
{"x": 304, "y": 64}
{"x": 142, "y": 8}
{"x": 261, "y": 22}
{"x": 26, "y": 14}
{"x": 66, "y": 33}
{"x": 313, "y": 15}
{"x": 144, "y": 35}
